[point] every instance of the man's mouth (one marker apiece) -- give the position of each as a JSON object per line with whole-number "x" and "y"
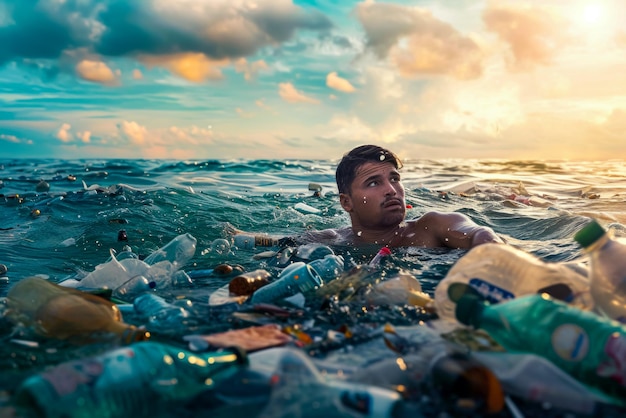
{"x": 393, "y": 203}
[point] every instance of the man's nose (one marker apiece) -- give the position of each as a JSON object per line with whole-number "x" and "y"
{"x": 391, "y": 189}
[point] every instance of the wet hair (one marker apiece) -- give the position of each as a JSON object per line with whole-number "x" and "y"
{"x": 353, "y": 160}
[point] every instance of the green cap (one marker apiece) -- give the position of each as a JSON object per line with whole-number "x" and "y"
{"x": 589, "y": 234}
{"x": 457, "y": 289}
{"x": 469, "y": 310}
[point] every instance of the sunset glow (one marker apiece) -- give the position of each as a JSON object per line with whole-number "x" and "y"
{"x": 311, "y": 79}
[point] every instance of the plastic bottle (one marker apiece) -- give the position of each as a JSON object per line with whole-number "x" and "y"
{"x": 247, "y": 283}
{"x": 138, "y": 380}
{"x": 178, "y": 251}
{"x": 68, "y": 314}
{"x": 426, "y": 364}
{"x": 249, "y": 242}
{"x": 382, "y": 254}
{"x": 328, "y": 267}
{"x": 501, "y": 272}
{"x": 160, "y": 314}
{"x": 132, "y": 287}
{"x": 295, "y": 381}
{"x": 585, "y": 345}
{"x": 296, "y": 278}
{"x": 536, "y": 379}
{"x": 607, "y": 275}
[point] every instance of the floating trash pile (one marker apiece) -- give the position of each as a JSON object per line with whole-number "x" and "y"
{"x": 315, "y": 333}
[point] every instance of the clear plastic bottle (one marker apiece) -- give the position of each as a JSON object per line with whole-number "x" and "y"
{"x": 137, "y": 380}
{"x": 249, "y": 242}
{"x": 329, "y": 267}
{"x": 65, "y": 313}
{"x": 536, "y": 379}
{"x": 607, "y": 273}
{"x": 500, "y": 272}
{"x": 290, "y": 380}
{"x": 178, "y": 251}
{"x": 589, "y": 347}
{"x": 160, "y": 314}
{"x": 296, "y": 278}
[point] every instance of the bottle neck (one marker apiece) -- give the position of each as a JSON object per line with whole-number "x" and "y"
{"x": 599, "y": 243}
{"x": 126, "y": 333}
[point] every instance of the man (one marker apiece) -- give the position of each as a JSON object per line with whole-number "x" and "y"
{"x": 371, "y": 191}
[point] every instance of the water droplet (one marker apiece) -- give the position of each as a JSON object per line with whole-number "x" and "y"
{"x": 359, "y": 233}
{"x": 382, "y": 157}
{"x": 446, "y": 239}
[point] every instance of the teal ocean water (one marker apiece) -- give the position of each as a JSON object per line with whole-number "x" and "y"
{"x": 66, "y": 226}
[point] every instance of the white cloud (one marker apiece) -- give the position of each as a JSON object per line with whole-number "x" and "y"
{"x": 95, "y": 71}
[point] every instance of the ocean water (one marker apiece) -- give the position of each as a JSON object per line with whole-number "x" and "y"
{"x": 67, "y": 226}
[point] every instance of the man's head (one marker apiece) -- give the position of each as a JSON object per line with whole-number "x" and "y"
{"x": 353, "y": 160}
{"x": 370, "y": 189}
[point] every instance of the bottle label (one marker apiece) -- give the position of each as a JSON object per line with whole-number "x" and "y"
{"x": 491, "y": 292}
{"x": 570, "y": 342}
{"x": 69, "y": 377}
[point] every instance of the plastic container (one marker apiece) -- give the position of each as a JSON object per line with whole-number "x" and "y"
{"x": 247, "y": 283}
{"x": 159, "y": 313}
{"x": 607, "y": 273}
{"x": 501, "y": 272}
{"x": 536, "y": 379}
{"x": 249, "y": 242}
{"x": 587, "y": 346}
{"x": 133, "y": 287}
{"x": 178, "y": 251}
{"x": 296, "y": 278}
{"x": 138, "y": 380}
{"x": 295, "y": 381}
{"x": 329, "y": 267}
{"x": 65, "y": 313}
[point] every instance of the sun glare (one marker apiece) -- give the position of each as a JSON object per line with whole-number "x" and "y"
{"x": 593, "y": 14}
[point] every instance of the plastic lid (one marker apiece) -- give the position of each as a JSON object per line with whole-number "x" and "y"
{"x": 469, "y": 310}
{"x": 589, "y": 234}
{"x": 457, "y": 289}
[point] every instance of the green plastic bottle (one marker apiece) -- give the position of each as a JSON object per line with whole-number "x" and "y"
{"x": 137, "y": 380}
{"x": 607, "y": 269}
{"x": 589, "y": 347}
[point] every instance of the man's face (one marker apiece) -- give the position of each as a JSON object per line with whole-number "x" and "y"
{"x": 376, "y": 198}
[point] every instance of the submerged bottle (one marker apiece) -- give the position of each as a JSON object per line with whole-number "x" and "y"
{"x": 585, "y": 345}
{"x": 160, "y": 314}
{"x": 607, "y": 275}
{"x": 296, "y": 381}
{"x": 501, "y": 272}
{"x": 131, "y": 381}
{"x": 65, "y": 313}
{"x": 536, "y": 379}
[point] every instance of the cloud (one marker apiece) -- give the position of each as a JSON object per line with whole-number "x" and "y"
{"x": 216, "y": 30}
{"x": 14, "y": 139}
{"x": 335, "y": 82}
{"x": 417, "y": 43}
{"x": 133, "y": 132}
{"x": 85, "y": 137}
{"x": 63, "y": 134}
{"x": 137, "y": 74}
{"x": 250, "y": 70}
{"x": 194, "y": 67}
{"x": 289, "y": 93}
{"x": 95, "y": 71}
{"x": 533, "y": 34}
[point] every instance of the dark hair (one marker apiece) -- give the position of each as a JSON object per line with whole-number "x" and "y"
{"x": 353, "y": 160}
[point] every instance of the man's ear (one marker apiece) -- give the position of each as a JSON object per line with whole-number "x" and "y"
{"x": 346, "y": 202}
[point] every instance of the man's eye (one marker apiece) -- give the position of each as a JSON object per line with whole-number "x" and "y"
{"x": 395, "y": 179}
{"x": 372, "y": 183}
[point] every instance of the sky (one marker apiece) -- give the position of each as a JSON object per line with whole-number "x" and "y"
{"x": 311, "y": 79}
